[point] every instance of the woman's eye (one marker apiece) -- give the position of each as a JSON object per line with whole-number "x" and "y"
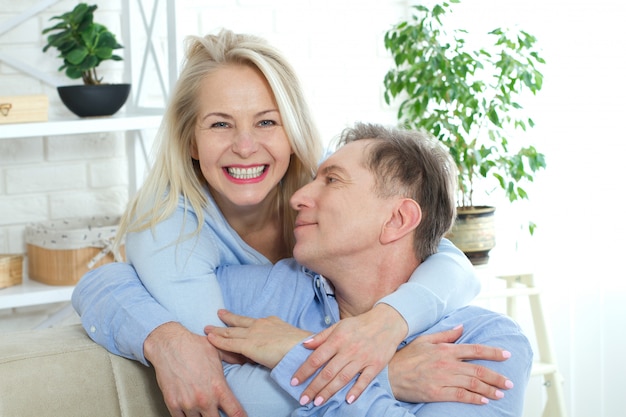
{"x": 219, "y": 124}
{"x": 330, "y": 180}
{"x": 267, "y": 123}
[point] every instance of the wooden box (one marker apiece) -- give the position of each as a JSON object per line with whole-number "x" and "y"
{"x": 23, "y": 109}
{"x": 11, "y": 270}
{"x": 61, "y": 252}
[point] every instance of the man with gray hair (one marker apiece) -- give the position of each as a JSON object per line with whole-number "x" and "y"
{"x": 376, "y": 209}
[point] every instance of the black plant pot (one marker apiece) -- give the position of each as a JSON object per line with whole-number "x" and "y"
{"x": 94, "y": 100}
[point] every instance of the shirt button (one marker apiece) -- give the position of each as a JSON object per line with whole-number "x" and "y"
{"x": 327, "y": 320}
{"x": 92, "y": 329}
{"x": 317, "y": 283}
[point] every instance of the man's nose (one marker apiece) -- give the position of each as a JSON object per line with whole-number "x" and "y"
{"x": 302, "y": 197}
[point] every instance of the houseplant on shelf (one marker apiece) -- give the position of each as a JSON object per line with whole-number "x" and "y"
{"x": 468, "y": 99}
{"x": 84, "y": 45}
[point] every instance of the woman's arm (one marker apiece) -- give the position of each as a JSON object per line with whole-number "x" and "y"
{"x": 365, "y": 344}
{"x": 442, "y": 283}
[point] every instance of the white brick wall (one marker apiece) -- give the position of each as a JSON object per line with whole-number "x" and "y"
{"x": 44, "y": 178}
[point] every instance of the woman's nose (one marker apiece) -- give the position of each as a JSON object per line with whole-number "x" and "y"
{"x": 245, "y": 144}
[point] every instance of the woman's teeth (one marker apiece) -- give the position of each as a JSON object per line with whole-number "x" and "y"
{"x": 246, "y": 173}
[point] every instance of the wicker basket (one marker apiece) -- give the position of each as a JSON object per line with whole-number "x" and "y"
{"x": 11, "y": 270}
{"x": 61, "y": 252}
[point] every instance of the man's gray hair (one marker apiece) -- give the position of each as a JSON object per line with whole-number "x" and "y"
{"x": 411, "y": 164}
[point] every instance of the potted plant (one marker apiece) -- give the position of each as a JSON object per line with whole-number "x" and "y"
{"x": 84, "y": 45}
{"x": 468, "y": 99}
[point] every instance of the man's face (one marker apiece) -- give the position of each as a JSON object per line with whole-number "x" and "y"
{"x": 339, "y": 216}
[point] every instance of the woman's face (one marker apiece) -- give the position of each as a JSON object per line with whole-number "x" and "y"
{"x": 241, "y": 143}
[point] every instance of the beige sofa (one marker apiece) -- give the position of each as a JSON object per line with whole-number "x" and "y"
{"x": 61, "y": 372}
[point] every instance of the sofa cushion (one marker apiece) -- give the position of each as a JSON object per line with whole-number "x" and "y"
{"x": 61, "y": 372}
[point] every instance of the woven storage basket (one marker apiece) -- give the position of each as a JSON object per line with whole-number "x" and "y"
{"x": 61, "y": 252}
{"x": 11, "y": 270}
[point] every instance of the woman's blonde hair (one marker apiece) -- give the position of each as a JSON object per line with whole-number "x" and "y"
{"x": 176, "y": 174}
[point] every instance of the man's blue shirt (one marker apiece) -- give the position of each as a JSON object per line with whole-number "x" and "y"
{"x": 305, "y": 299}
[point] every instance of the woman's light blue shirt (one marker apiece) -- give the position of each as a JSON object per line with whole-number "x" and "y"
{"x": 178, "y": 282}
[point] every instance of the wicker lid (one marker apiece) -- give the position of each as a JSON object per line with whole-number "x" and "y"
{"x": 77, "y": 233}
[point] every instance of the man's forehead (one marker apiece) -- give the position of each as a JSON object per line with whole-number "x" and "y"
{"x": 350, "y": 153}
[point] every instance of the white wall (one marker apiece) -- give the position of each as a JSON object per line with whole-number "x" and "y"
{"x": 336, "y": 46}
{"x": 577, "y": 248}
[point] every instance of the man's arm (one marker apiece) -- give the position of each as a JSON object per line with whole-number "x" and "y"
{"x": 482, "y": 327}
{"x": 178, "y": 288}
{"x": 119, "y": 303}
{"x": 266, "y": 341}
{"x": 275, "y": 344}
{"x": 188, "y": 369}
{"x": 116, "y": 310}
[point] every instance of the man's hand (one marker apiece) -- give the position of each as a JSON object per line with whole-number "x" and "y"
{"x": 362, "y": 344}
{"x": 265, "y": 341}
{"x": 189, "y": 373}
{"x": 432, "y": 369}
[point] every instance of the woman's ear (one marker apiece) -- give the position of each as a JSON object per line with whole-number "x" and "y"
{"x": 193, "y": 149}
{"x": 404, "y": 219}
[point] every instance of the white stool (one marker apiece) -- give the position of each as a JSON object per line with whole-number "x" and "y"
{"x": 518, "y": 285}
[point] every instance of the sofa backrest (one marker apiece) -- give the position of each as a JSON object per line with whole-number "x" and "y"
{"x": 61, "y": 372}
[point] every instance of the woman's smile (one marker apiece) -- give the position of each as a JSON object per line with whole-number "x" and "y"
{"x": 247, "y": 174}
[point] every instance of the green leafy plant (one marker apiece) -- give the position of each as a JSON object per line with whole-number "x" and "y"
{"x": 82, "y": 44}
{"x": 468, "y": 99}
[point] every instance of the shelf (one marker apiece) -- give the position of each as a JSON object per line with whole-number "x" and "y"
{"x": 70, "y": 126}
{"x": 31, "y": 293}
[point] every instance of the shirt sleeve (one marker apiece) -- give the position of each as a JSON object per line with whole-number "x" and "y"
{"x": 484, "y": 327}
{"x": 177, "y": 267}
{"x": 480, "y": 326}
{"x": 116, "y": 310}
{"x": 171, "y": 278}
{"x": 442, "y": 283}
{"x": 375, "y": 401}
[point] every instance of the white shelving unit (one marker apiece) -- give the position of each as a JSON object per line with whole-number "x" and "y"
{"x": 33, "y": 293}
{"x": 142, "y": 25}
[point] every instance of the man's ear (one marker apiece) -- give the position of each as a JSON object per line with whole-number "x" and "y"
{"x": 405, "y": 217}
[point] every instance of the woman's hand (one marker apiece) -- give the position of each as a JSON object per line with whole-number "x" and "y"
{"x": 432, "y": 368}
{"x": 265, "y": 341}
{"x": 189, "y": 373}
{"x": 362, "y": 344}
